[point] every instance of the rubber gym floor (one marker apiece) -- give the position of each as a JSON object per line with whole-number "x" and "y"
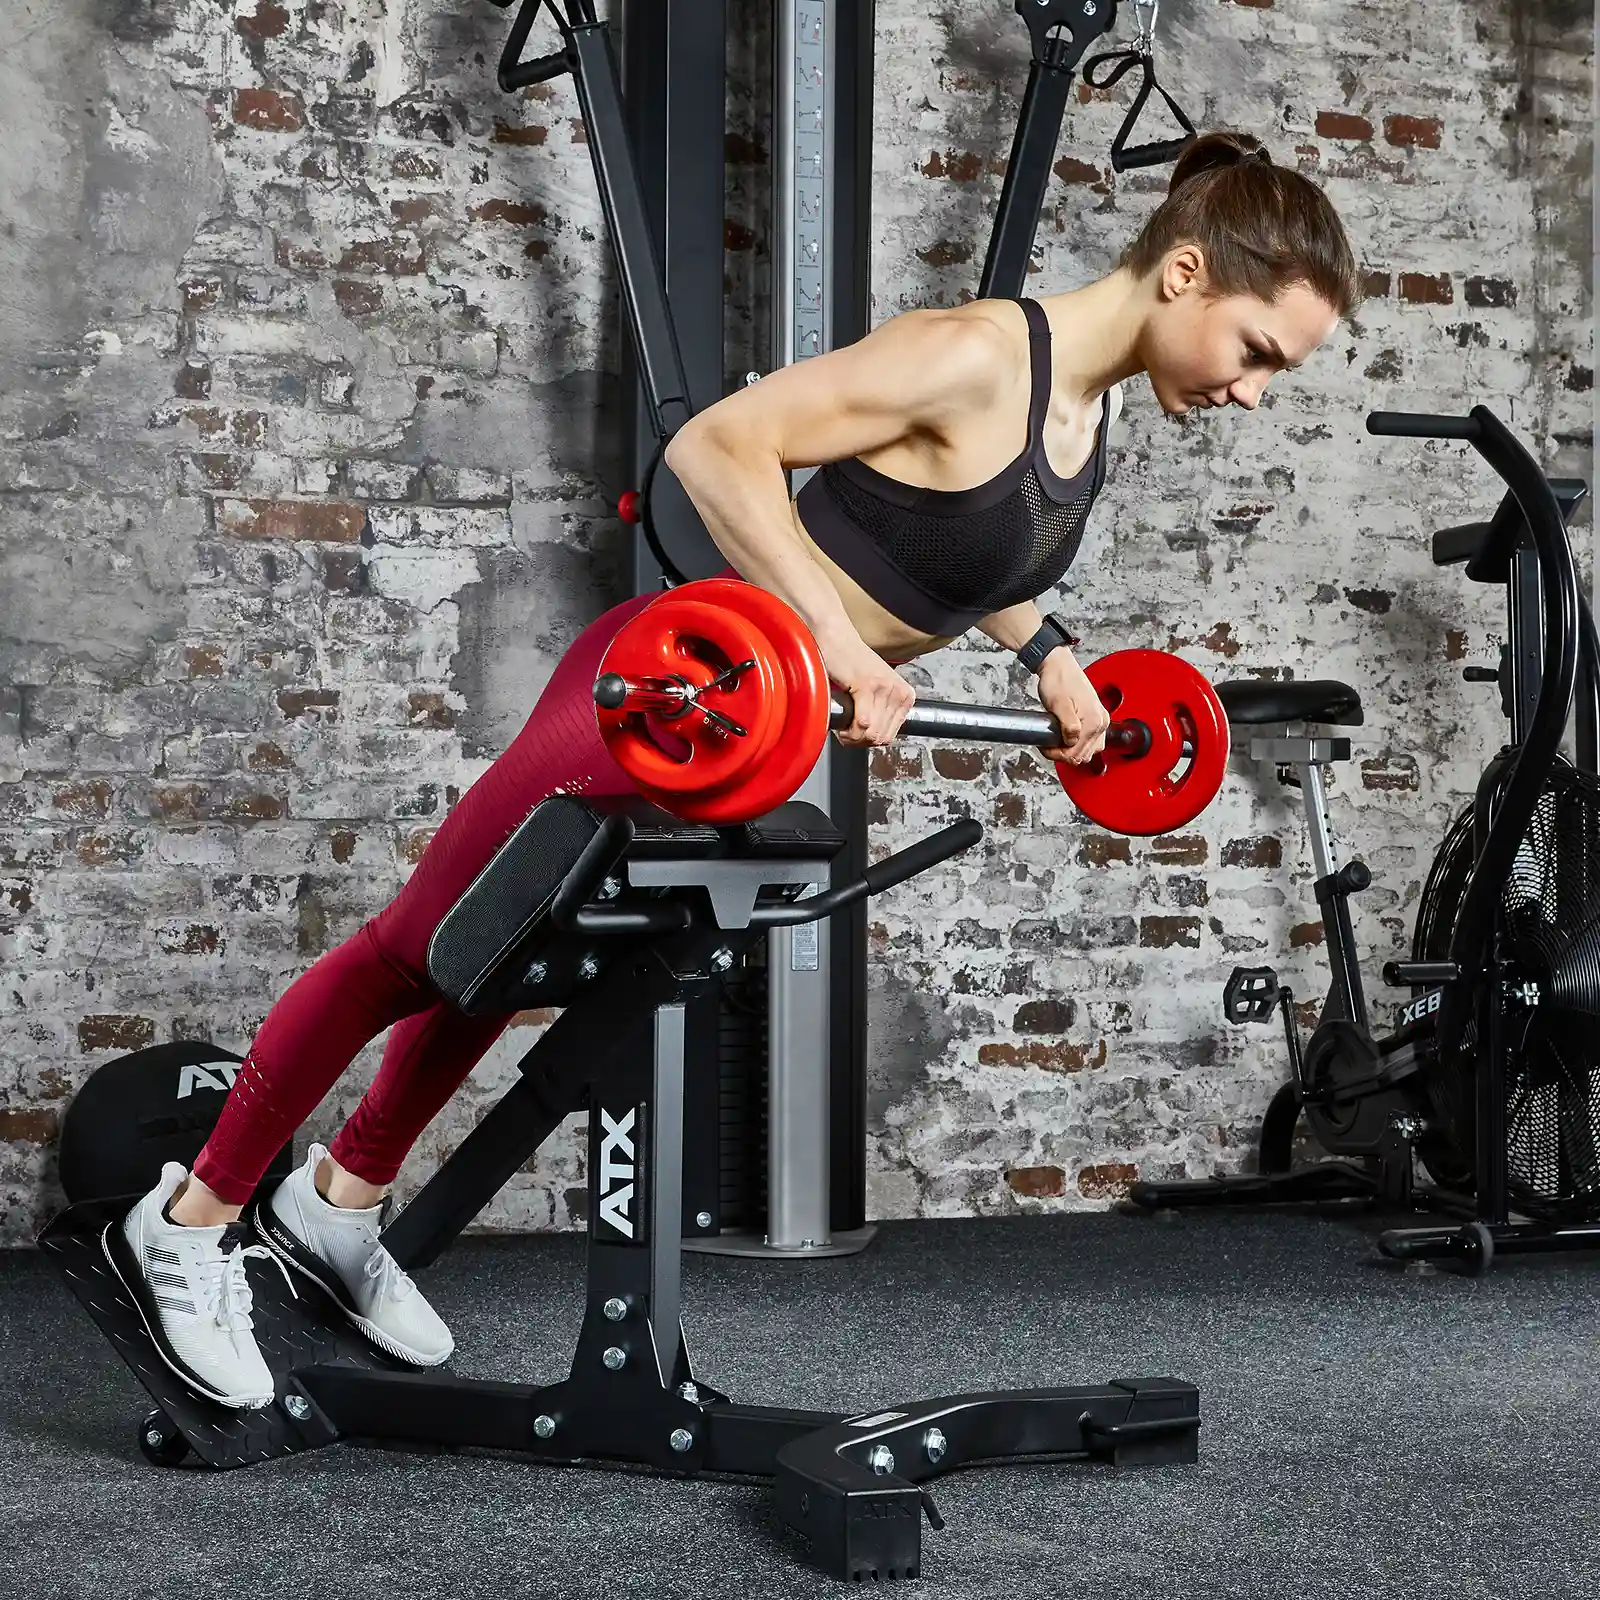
{"x": 1368, "y": 1430}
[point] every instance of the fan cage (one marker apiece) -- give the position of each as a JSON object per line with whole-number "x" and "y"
{"x": 1550, "y": 916}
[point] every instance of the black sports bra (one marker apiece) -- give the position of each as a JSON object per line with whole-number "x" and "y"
{"x": 940, "y": 559}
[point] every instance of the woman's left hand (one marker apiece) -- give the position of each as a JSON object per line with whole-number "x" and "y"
{"x": 1073, "y": 701}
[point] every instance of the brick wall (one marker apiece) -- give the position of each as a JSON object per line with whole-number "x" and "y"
{"x": 308, "y": 439}
{"x": 1082, "y": 1044}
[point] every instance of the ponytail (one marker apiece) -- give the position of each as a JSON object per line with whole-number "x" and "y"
{"x": 1262, "y": 227}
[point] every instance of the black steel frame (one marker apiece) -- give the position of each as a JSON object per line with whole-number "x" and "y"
{"x": 849, "y": 1489}
{"x": 1061, "y": 32}
{"x": 674, "y": 89}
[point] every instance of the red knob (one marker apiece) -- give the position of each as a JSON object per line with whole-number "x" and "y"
{"x": 629, "y": 507}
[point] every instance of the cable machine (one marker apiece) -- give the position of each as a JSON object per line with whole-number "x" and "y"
{"x": 777, "y": 1164}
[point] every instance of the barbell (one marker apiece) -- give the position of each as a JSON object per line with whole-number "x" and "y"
{"x": 715, "y": 701}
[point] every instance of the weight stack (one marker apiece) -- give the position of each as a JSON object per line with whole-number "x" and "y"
{"x": 725, "y": 1135}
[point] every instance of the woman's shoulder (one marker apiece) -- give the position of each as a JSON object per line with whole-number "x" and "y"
{"x": 967, "y": 349}
{"x": 979, "y": 328}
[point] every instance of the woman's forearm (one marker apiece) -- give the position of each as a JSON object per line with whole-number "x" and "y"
{"x": 1013, "y": 627}
{"x": 745, "y": 507}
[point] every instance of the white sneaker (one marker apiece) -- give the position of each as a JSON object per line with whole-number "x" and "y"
{"x": 193, "y": 1297}
{"x": 338, "y": 1249}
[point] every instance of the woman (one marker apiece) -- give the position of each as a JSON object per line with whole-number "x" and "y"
{"x": 961, "y": 453}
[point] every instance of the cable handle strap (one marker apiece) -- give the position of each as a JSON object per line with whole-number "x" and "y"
{"x": 1108, "y": 69}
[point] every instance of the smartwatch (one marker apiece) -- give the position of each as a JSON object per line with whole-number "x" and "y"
{"x": 1051, "y": 635}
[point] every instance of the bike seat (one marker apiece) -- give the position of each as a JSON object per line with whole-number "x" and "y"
{"x": 1256, "y": 700}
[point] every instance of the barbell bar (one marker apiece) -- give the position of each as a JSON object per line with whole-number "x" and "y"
{"x": 928, "y": 719}
{"x": 715, "y": 701}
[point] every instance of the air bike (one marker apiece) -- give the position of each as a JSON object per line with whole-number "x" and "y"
{"x": 1490, "y": 1078}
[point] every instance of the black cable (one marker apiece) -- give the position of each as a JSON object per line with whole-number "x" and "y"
{"x": 647, "y": 520}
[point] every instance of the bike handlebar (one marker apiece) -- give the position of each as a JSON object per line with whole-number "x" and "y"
{"x": 1423, "y": 425}
{"x": 1519, "y": 797}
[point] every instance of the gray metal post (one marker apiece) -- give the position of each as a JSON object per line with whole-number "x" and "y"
{"x": 1315, "y": 794}
{"x": 666, "y": 1189}
{"x": 799, "y": 998}
{"x": 798, "y": 1030}
{"x": 797, "y": 1073}
{"x": 797, "y": 958}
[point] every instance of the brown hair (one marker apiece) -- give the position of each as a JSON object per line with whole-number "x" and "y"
{"x": 1262, "y": 227}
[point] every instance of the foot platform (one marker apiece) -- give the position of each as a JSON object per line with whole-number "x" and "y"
{"x": 848, "y": 1489}
{"x": 298, "y": 1328}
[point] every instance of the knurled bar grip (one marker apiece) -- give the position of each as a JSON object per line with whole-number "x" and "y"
{"x": 944, "y": 719}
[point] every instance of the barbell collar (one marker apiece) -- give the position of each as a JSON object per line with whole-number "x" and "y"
{"x": 662, "y": 696}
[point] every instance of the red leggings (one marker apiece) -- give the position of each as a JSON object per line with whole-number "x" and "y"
{"x": 379, "y": 976}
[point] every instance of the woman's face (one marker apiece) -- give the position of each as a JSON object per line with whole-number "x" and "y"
{"x": 1216, "y": 351}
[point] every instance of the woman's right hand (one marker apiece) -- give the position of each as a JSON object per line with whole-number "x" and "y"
{"x": 881, "y": 696}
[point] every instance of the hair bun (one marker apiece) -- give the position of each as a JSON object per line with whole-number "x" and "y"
{"x": 1214, "y": 152}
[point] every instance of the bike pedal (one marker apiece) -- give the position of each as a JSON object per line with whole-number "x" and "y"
{"x": 1251, "y": 994}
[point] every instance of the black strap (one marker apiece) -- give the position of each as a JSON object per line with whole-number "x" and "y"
{"x": 1114, "y": 65}
{"x": 1039, "y": 405}
{"x": 647, "y": 518}
{"x": 1102, "y": 443}
{"x": 1039, "y": 368}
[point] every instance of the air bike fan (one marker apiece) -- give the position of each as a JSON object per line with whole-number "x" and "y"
{"x": 1549, "y": 930}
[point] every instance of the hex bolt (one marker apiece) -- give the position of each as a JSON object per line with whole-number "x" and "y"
{"x": 297, "y": 1406}
{"x": 611, "y": 888}
{"x": 702, "y": 1219}
{"x": 681, "y": 1440}
{"x": 588, "y": 968}
{"x": 153, "y": 1437}
{"x": 537, "y": 972}
{"x": 615, "y": 1358}
{"x": 614, "y": 1310}
{"x": 881, "y": 1460}
{"x": 721, "y": 959}
{"x": 935, "y": 1443}
{"x": 544, "y": 1426}
{"x": 690, "y": 1392}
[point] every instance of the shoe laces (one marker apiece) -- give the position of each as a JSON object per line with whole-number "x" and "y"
{"x": 225, "y": 1296}
{"x": 382, "y": 1269}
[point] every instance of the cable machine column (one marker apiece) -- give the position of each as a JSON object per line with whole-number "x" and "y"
{"x": 814, "y": 199}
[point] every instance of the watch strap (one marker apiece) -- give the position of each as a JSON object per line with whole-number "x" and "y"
{"x": 1052, "y": 635}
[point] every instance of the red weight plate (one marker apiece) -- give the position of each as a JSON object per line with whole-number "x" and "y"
{"x": 687, "y": 763}
{"x": 806, "y": 729}
{"x": 1162, "y": 789}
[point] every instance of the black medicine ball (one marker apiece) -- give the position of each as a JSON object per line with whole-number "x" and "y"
{"x": 142, "y": 1110}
